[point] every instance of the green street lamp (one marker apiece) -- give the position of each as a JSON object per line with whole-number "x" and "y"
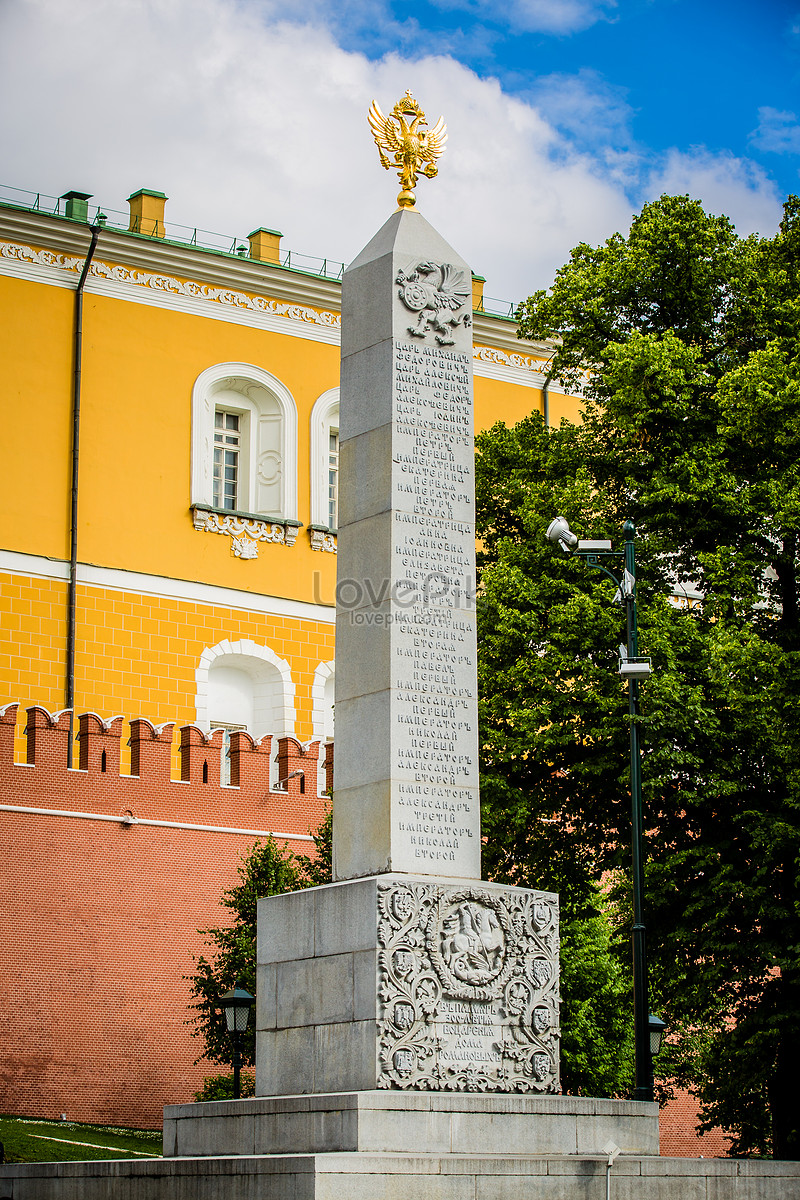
{"x": 599, "y": 554}
{"x": 236, "y": 1006}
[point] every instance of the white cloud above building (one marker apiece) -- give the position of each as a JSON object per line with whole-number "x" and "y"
{"x": 251, "y": 114}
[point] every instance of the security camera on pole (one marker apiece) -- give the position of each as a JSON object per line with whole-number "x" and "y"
{"x": 633, "y": 668}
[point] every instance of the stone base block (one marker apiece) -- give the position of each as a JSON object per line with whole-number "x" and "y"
{"x": 403, "y": 1177}
{"x": 431, "y": 1122}
{"x": 408, "y": 982}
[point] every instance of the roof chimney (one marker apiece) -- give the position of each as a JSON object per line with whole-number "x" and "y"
{"x": 147, "y": 212}
{"x": 477, "y": 292}
{"x": 77, "y": 206}
{"x": 265, "y": 245}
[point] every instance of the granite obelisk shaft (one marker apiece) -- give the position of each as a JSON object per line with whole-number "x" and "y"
{"x": 406, "y": 768}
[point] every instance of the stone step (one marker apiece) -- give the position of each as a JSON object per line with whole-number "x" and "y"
{"x": 403, "y": 1177}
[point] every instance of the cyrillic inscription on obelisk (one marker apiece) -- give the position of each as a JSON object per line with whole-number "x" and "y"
{"x": 407, "y": 971}
{"x": 406, "y": 783}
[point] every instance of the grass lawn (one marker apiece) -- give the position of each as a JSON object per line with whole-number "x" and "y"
{"x": 26, "y": 1139}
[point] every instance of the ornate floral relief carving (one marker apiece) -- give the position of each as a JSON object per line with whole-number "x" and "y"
{"x": 503, "y": 359}
{"x": 42, "y": 258}
{"x": 438, "y": 293}
{"x": 244, "y": 547}
{"x": 169, "y": 284}
{"x": 322, "y": 540}
{"x": 245, "y": 534}
{"x": 522, "y": 362}
{"x": 468, "y": 988}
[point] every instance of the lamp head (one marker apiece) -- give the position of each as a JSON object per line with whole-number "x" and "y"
{"x": 559, "y": 531}
{"x": 236, "y": 1005}
{"x": 656, "y": 1028}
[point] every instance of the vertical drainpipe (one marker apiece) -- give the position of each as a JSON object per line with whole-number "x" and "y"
{"x": 73, "y": 521}
{"x": 546, "y": 391}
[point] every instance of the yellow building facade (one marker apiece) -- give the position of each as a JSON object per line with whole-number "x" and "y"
{"x": 204, "y": 545}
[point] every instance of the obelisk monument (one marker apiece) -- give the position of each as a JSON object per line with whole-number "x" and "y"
{"x": 407, "y": 972}
{"x": 406, "y": 764}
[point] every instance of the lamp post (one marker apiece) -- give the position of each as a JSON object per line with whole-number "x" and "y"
{"x": 236, "y": 1005}
{"x": 599, "y": 554}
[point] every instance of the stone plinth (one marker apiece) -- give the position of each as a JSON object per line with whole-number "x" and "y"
{"x": 373, "y": 1176}
{"x": 406, "y": 768}
{"x": 406, "y": 982}
{"x": 434, "y": 1123}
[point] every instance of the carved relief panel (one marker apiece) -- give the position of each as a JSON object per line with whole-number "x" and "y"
{"x": 468, "y": 988}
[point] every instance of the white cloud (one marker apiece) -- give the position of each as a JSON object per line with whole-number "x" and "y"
{"x": 245, "y": 118}
{"x": 778, "y": 132}
{"x": 585, "y": 106}
{"x": 244, "y": 123}
{"x": 545, "y": 16}
{"x": 737, "y": 187}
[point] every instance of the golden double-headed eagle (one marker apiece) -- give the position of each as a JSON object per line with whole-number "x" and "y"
{"x": 414, "y": 148}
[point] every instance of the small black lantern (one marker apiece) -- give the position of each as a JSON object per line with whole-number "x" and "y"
{"x": 236, "y": 1005}
{"x": 655, "y": 1027}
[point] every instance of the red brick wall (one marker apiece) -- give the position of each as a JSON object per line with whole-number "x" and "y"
{"x": 100, "y": 917}
{"x": 677, "y": 1123}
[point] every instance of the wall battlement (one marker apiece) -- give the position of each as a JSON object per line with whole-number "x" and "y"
{"x": 276, "y": 783}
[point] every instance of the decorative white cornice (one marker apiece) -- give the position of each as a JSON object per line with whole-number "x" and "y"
{"x": 502, "y": 334}
{"x": 47, "y": 259}
{"x": 513, "y": 367}
{"x": 204, "y": 291}
{"x": 50, "y": 249}
{"x": 170, "y": 258}
{"x": 167, "y": 291}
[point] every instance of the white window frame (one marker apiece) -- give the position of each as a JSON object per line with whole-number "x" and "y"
{"x": 321, "y": 721}
{"x": 204, "y": 405}
{"x": 241, "y": 448}
{"x": 324, "y": 417}
{"x": 280, "y": 717}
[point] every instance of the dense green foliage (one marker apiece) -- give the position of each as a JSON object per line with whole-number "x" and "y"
{"x": 596, "y": 1030}
{"x": 220, "y": 1087}
{"x": 692, "y": 428}
{"x": 268, "y": 869}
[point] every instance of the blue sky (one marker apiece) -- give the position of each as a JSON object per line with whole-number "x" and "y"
{"x": 565, "y": 116}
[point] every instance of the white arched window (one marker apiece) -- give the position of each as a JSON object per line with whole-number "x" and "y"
{"x": 322, "y": 701}
{"x": 242, "y": 685}
{"x": 325, "y": 461}
{"x": 244, "y": 442}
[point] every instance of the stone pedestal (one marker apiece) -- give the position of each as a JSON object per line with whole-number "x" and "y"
{"x": 425, "y": 1123}
{"x": 401, "y": 981}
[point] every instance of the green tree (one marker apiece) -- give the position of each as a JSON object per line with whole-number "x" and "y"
{"x": 268, "y": 869}
{"x": 692, "y": 428}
